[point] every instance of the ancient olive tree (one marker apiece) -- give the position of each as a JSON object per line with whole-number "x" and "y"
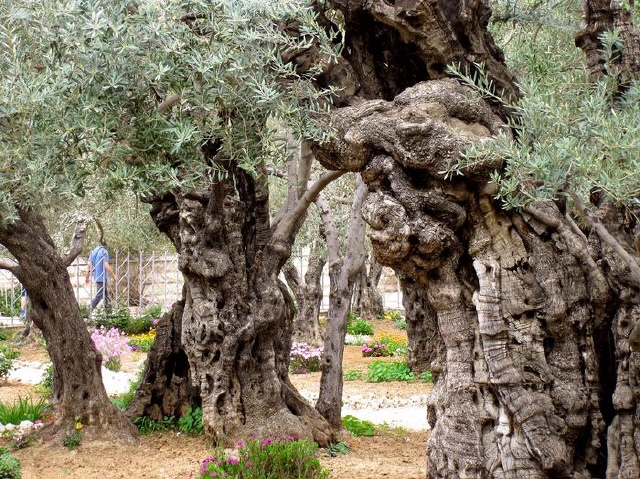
{"x": 517, "y": 312}
{"x": 184, "y": 103}
{"x": 35, "y": 173}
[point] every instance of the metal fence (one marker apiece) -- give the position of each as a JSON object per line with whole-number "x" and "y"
{"x": 154, "y": 279}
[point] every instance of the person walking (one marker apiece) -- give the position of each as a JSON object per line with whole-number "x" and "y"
{"x": 100, "y": 269}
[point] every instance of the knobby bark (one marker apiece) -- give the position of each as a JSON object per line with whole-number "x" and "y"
{"x": 524, "y": 319}
{"x": 79, "y": 392}
{"x": 166, "y": 388}
{"x": 342, "y": 273}
{"x": 238, "y": 317}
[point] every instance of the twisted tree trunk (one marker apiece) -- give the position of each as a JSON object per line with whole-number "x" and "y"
{"x": 79, "y": 392}
{"x": 237, "y": 322}
{"x": 516, "y": 313}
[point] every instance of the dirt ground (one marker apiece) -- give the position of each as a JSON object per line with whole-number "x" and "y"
{"x": 391, "y": 453}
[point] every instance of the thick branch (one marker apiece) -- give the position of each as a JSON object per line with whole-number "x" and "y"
{"x": 606, "y": 237}
{"x": 10, "y": 265}
{"x": 286, "y": 227}
{"x": 330, "y": 230}
{"x": 355, "y": 250}
{"x": 77, "y": 240}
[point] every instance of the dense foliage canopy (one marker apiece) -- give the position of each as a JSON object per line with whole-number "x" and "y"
{"x": 100, "y": 95}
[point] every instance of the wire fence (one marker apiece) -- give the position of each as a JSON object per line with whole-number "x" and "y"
{"x": 144, "y": 280}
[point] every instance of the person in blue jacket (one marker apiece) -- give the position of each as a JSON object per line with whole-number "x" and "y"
{"x": 100, "y": 270}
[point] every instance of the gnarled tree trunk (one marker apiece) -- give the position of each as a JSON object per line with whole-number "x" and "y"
{"x": 238, "y": 317}
{"x": 516, "y": 313}
{"x": 79, "y": 392}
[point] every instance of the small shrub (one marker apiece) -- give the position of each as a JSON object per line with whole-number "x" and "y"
{"x": 23, "y": 409}
{"x": 46, "y": 385}
{"x": 358, "y": 326}
{"x": 6, "y": 365}
{"x": 352, "y": 375}
{"x": 400, "y": 323}
{"x": 147, "y": 426}
{"x": 113, "y": 345}
{"x": 10, "y": 301}
{"x": 152, "y": 313}
{"x": 117, "y": 317}
{"x": 286, "y": 457}
{"x": 337, "y": 449}
{"x": 73, "y": 440}
{"x": 305, "y": 358}
{"x": 382, "y": 371}
{"x": 7, "y": 355}
{"x": 358, "y": 427}
{"x": 123, "y": 400}
{"x": 9, "y": 465}
{"x": 191, "y": 422}
{"x": 426, "y": 376}
{"x": 396, "y": 317}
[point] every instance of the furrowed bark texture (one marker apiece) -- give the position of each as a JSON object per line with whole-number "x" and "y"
{"x": 513, "y": 312}
{"x": 166, "y": 388}
{"x": 524, "y": 320}
{"x": 79, "y": 392}
{"x": 237, "y": 319}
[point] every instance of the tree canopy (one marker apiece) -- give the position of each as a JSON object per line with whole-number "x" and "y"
{"x": 99, "y": 95}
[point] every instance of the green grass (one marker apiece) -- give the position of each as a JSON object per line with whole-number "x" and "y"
{"x": 23, "y": 409}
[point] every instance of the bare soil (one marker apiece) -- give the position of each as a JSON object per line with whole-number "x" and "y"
{"x": 391, "y": 453}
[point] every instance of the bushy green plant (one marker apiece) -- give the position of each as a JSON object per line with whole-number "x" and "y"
{"x": 9, "y": 465}
{"x": 304, "y": 358}
{"x": 191, "y": 422}
{"x": 152, "y": 313}
{"x": 73, "y": 440}
{"x": 6, "y": 365}
{"x": 381, "y": 371}
{"x": 426, "y": 376}
{"x": 138, "y": 325}
{"x": 272, "y": 458}
{"x": 352, "y": 375}
{"x": 123, "y": 400}
{"x": 358, "y": 427}
{"x": 117, "y": 317}
{"x": 358, "y": 326}
{"x": 147, "y": 426}
{"x": 337, "y": 449}
{"x": 23, "y": 409}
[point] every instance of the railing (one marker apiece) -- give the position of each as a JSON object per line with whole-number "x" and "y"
{"x": 150, "y": 279}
